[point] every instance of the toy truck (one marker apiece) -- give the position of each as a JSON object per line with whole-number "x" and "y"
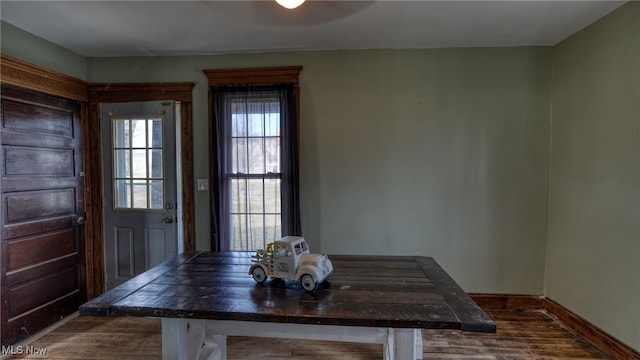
{"x": 289, "y": 258}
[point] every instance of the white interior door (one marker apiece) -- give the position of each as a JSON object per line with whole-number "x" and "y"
{"x": 139, "y": 181}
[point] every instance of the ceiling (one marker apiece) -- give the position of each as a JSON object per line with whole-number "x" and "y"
{"x": 100, "y": 28}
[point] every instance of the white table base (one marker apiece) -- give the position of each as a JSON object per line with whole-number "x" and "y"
{"x": 197, "y": 339}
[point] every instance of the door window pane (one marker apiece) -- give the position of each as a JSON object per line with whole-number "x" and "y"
{"x": 155, "y": 132}
{"x": 121, "y": 133}
{"x": 139, "y": 133}
{"x": 122, "y": 193}
{"x": 157, "y": 194}
{"x": 140, "y": 194}
{"x": 155, "y": 164}
{"x": 139, "y": 161}
{"x": 122, "y": 163}
{"x": 137, "y": 156}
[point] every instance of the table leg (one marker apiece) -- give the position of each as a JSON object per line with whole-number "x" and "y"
{"x": 403, "y": 344}
{"x": 189, "y": 339}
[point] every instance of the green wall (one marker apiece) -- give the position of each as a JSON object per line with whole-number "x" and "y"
{"x": 432, "y": 152}
{"x": 593, "y": 250}
{"x": 35, "y": 50}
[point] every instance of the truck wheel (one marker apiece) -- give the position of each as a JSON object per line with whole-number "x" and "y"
{"x": 258, "y": 275}
{"x": 308, "y": 283}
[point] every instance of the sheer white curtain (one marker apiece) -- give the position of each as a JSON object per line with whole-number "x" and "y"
{"x": 254, "y": 170}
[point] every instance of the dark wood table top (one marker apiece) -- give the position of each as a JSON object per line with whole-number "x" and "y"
{"x": 374, "y": 291}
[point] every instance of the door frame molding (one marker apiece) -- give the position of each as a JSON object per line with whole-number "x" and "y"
{"x": 130, "y": 92}
{"x": 29, "y": 76}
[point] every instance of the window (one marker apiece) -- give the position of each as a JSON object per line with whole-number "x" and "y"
{"x": 254, "y": 174}
{"x": 254, "y": 153}
{"x": 137, "y": 163}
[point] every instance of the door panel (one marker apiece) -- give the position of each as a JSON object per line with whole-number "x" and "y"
{"x": 42, "y": 263}
{"x": 138, "y": 147}
{"x": 158, "y": 246}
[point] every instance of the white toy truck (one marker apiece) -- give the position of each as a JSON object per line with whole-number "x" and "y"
{"x": 289, "y": 258}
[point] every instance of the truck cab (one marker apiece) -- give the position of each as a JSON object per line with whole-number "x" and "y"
{"x": 290, "y": 258}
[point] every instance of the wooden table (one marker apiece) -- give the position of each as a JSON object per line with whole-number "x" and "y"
{"x": 203, "y": 297}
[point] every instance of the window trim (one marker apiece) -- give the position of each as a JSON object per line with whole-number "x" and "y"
{"x": 257, "y": 76}
{"x": 246, "y": 76}
{"x": 250, "y": 76}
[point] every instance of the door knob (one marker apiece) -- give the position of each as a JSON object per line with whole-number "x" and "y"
{"x": 168, "y": 220}
{"x": 80, "y": 220}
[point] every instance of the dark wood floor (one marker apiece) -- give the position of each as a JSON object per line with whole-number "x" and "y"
{"x": 521, "y": 335}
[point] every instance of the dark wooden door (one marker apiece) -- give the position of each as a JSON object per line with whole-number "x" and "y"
{"x": 42, "y": 262}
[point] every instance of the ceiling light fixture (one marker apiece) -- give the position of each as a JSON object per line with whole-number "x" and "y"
{"x": 290, "y": 4}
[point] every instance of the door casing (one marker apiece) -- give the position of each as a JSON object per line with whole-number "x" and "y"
{"x": 129, "y": 92}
